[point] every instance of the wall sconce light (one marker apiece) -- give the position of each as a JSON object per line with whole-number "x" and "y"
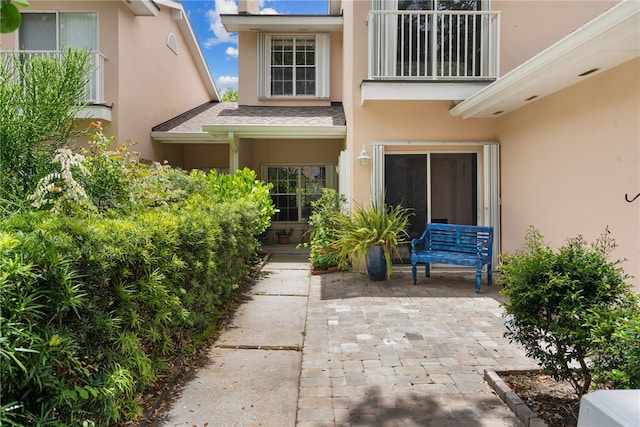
{"x": 364, "y": 157}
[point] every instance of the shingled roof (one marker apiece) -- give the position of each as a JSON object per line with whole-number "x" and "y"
{"x": 230, "y": 114}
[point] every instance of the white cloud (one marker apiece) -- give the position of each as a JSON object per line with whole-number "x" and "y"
{"x": 232, "y": 51}
{"x": 220, "y": 35}
{"x": 227, "y": 82}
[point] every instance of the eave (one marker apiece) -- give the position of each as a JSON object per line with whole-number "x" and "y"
{"x": 277, "y": 131}
{"x": 187, "y": 138}
{"x": 142, "y": 7}
{"x": 282, "y": 23}
{"x": 607, "y": 41}
{"x": 390, "y": 90}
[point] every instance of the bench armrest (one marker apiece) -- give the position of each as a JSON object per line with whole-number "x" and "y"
{"x": 420, "y": 241}
{"x": 486, "y": 245}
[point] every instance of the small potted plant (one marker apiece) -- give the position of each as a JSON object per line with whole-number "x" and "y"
{"x": 375, "y": 233}
{"x": 284, "y": 235}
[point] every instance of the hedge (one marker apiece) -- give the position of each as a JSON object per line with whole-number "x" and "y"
{"x": 95, "y": 305}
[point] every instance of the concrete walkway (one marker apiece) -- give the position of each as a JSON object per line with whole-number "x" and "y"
{"x": 341, "y": 350}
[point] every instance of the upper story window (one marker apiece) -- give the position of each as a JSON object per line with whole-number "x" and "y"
{"x": 293, "y": 66}
{"x": 58, "y": 30}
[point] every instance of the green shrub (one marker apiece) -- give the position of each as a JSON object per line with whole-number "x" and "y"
{"x": 325, "y": 222}
{"x": 39, "y": 101}
{"x": 551, "y": 298}
{"x": 615, "y": 340}
{"x": 96, "y": 304}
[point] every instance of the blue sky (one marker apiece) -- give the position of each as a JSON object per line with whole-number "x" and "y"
{"x": 220, "y": 49}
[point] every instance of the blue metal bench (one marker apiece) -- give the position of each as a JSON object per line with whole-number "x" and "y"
{"x": 454, "y": 244}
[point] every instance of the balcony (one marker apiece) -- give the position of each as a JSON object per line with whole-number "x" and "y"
{"x": 95, "y": 98}
{"x": 423, "y": 54}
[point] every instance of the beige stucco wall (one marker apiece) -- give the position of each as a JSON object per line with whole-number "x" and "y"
{"x": 530, "y": 26}
{"x": 391, "y": 120}
{"x": 294, "y": 151}
{"x": 248, "y": 74}
{"x": 568, "y": 160}
{"x": 420, "y": 121}
{"x": 154, "y": 84}
{"x": 205, "y": 156}
{"x": 145, "y": 82}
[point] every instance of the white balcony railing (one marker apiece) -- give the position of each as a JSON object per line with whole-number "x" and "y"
{"x": 95, "y": 84}
{"x": 433, "y": 45}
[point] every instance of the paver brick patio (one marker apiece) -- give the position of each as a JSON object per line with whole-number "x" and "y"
{"x": 390, "y": 353}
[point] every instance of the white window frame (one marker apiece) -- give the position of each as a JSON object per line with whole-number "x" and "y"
{"x": 57, "y": 14}
{"x": 322, "y": 64}
{"x": 330, "y": 181}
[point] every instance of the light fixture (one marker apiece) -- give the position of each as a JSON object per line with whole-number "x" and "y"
{"x": 364, "y": 157}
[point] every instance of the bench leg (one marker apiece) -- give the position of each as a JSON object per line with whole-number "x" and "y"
{"x": 478, "y": 278}
{"x": 489, "y": 273}
{"x": 413, "y": 272}
{"x": 427, "y": 269}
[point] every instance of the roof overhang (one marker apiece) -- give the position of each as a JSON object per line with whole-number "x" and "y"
{"x": 607, "y": 41}
{"x": 277, "y": 131}
{"x": 282, "y": 23}
{"x": 388, "y": 90}
{"x": 187, "y": 138}
{"x": 142, "y": 7}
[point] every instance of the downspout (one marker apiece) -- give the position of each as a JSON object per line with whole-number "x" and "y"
{"x": 234, "y": 162}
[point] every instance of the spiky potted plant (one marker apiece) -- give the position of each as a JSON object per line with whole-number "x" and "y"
{"x": 374, "y": 232}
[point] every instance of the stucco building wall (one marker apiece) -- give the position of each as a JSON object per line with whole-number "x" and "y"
{"x": 248, "y": 74}
{"x": 145, "y": 82}
{"x": 567, "y": 161}
{"x": 154, "y": 83}
{"x": 530, "y": 26}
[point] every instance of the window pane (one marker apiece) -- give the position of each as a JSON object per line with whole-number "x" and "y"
{"x": 37, "y": 32}
{"x": 276, "y": 58}
{"x": 276, "y": 88}
{"x": 310, "y": 88}
{"x": 311, "y": 58}
{"x": 293, "y": 66}
{"x": 79, "y": 30}
{"x": 294, "y": 188}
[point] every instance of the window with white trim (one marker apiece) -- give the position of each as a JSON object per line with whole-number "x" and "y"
{"x": 295, "y": 187}
{"x": 58, "y": 30}
{"x": 293, "y": 65}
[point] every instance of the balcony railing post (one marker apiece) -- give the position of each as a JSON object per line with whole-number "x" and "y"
{"x": 418, "y": 45}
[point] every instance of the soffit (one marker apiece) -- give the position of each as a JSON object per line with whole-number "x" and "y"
{"x": 282, "y": 23}
{"x": 609, "y": 40}
{"x": 142, "y": 7}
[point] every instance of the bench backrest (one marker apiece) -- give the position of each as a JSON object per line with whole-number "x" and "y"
{"x": 459, "y": 238}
